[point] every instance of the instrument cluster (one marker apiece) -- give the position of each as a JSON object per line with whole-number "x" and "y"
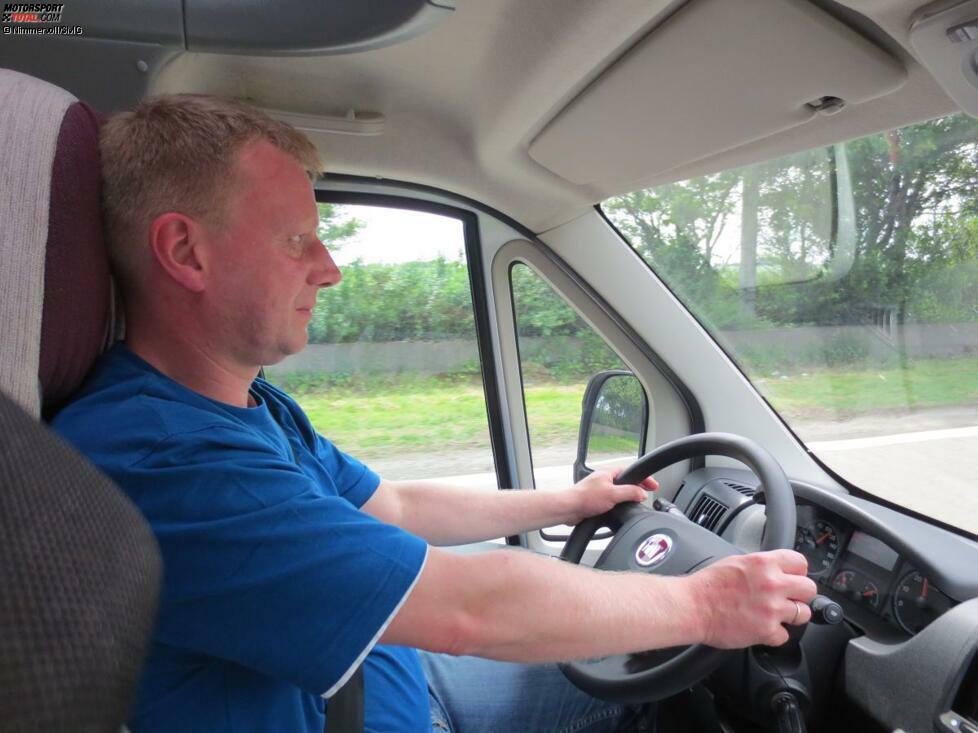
{"x": 865, "y": 575}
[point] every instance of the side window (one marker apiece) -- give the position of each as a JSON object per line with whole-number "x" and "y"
{"x": 391, "y": 374}
{"x": 559, "y": 353}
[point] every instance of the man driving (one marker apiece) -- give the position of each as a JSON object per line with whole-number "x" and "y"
{"x": 287, "y": 563}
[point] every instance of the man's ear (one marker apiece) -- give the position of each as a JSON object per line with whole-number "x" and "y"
{"x": 178, "y": 243}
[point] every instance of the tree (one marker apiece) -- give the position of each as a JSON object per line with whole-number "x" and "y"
{"x": 910, "y": 184}
{"x": 748, "y": 239}
{"x": 915, "y": 196}
{"x": 334, "y": 228}
{"x": 676, "y": 228}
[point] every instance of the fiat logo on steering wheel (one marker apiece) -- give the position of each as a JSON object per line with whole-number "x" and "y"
{"x": 654, "y": 550}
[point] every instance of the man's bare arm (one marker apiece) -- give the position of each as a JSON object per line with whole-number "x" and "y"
{"x": 453, "y": 515}
{"x": 520, "y": 607}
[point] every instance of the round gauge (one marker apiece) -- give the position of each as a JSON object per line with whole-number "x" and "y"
{"x": 819, "y": 543}
{"x": 916, "y": 602}
{"x": 857, "y": 587}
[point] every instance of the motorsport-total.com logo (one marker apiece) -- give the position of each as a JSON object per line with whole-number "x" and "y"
{"x": 36, "y": 19}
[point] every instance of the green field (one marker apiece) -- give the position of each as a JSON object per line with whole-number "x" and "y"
{"x": 423, "y": 414}
{"x": 843, "y": 392}
{"x": 429, "y": 414}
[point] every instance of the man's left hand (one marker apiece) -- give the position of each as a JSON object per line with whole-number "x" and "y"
{"x": 597, "y": 493}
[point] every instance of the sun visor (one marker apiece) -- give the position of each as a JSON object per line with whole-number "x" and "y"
{"x": 716, "y": 75}
{"x": 946, "y": 42}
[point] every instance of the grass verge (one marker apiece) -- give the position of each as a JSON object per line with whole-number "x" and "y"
{"x": 849, "y": 392}
{"x": 412, "y": 414}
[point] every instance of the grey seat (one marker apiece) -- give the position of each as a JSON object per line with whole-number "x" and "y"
{"x": 79, "y": 568}
{"x": 79, "y": 577}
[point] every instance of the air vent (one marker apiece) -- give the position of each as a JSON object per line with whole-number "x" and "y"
{"x": 708, "y": 512}
{"x": 741, "y": 488}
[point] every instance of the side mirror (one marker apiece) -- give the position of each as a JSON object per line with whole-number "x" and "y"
{"x": 614, "y": 421}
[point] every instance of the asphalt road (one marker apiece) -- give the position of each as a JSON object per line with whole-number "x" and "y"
{"x": 934, "y": 472}
{"x": 926, "y": 460}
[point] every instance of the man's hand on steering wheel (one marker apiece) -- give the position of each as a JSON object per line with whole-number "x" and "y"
{"x": 740, "y": 599}
{"x": 597, "y": 493}
{"x": 746, "y": 599}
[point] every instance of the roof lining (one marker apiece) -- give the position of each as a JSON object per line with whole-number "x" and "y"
{"x": 465, "y": 127}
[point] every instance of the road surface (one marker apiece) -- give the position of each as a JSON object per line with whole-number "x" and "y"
{"x": 926, "y": 460}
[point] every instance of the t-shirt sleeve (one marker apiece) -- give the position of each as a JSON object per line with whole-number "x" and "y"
{"x": 261, "y": 567}
{"x": 354, "y": 481}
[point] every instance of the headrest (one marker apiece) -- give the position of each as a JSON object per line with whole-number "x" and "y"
{"x": 56, "y": 304}
{"x": 78, "y": 298}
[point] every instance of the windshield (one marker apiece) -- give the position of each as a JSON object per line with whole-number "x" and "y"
{"x": 844, "y": 282}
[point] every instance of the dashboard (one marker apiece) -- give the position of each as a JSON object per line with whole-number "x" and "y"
{"x": 868, "y": 578}
{"x": 907, "y": 652}
{"x": 884, "y": 568}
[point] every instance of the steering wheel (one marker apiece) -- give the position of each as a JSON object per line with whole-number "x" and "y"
{"x": 668, "y": 543}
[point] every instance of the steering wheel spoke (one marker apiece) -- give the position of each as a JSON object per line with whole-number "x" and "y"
{"x": 656, "y": 542}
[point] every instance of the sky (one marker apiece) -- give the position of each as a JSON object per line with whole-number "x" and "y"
{"x": 399, "y": 235}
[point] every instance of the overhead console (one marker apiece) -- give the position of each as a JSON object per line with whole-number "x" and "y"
{"x": 678, "y": 95}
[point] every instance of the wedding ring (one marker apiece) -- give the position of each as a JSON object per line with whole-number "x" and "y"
{"x": 797, "y": 611}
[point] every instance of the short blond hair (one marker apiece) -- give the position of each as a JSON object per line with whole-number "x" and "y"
{"x": 177, "y": 153}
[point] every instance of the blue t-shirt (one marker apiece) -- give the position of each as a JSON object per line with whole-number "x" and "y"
{"x": 275, "y": 584}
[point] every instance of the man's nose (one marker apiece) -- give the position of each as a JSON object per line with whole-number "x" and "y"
{"x": 326, "y": 273}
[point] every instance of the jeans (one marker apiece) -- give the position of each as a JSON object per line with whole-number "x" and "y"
{"x": 473, "y": 695}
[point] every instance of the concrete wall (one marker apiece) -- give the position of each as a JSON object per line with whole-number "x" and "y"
{"x": 806, "y": 345}
{"x": 817, "y": 345}
{"x": 423, "y": 357}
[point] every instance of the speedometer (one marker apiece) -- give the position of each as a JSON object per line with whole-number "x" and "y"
{"x": 916, "y": 602}
{"x": 819, "y": 543}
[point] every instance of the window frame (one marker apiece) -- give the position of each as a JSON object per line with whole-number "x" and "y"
{"x": 495, "y": 232}
{"x": 654, "y": 374}
{"x": 483, "y": 332}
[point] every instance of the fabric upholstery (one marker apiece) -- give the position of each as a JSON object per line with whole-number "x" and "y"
{"x": 79, "y": 568}
{"x": 56, "y": 301}
{"x": 31, "y": 112}
{"x": 79, "y": 578}
{"x": 77, "y": 318}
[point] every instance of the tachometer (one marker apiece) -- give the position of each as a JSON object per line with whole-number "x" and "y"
{"x": 916, "y": 602}
{"x": 819, "y": 542}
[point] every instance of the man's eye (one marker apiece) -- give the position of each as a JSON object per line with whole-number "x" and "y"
{"x": 295, "y": 245}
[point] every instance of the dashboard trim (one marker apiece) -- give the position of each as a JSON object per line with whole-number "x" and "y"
{"x": 876, "y": 674}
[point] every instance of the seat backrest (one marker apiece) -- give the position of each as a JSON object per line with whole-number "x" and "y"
{"x": 79, "y": 568}
{"x": 56, "y": 303}
{"x": 79, "y": 581}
